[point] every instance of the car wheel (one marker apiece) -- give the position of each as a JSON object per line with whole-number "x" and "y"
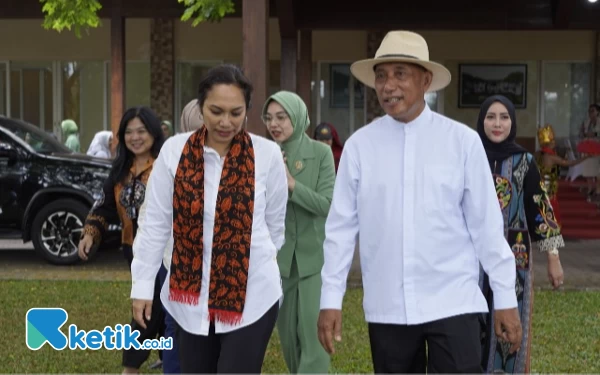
{"x": 56, "y": 231}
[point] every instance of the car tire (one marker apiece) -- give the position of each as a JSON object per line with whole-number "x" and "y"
{"x": 56, "y": 230}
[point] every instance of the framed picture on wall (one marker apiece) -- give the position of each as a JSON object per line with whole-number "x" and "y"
{"x": 479, "y": 81}
{"x": 339, "y": 78}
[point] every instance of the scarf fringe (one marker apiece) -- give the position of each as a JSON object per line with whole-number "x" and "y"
{"x": 215, "y": 315}
{"x": 184, "y": 296}
{"x": 227, "y": 317}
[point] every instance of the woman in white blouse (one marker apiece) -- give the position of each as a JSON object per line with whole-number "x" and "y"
{"x": 221, "y": 194}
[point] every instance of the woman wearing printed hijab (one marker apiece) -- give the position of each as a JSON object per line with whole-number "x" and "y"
{"x": 528, "y": 220}
{"x": 327, "y": 133}
{"x": 311, "y": 175}
{"x": 70, "y": 132}
{"x": 191, "y": 117}
{"x": 100, "y": 146}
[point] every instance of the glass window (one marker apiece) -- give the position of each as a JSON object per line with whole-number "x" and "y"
{"x": 31, "y": 96}
{"x": 341, "y": 98}
{"x": 83, "y": 97}
{"x": 566, "y": 97}
{"x": 432, "y": 100}
{"x": 39, "y": 140}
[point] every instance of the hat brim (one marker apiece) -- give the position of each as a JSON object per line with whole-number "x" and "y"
{"x": 363, "y": 71}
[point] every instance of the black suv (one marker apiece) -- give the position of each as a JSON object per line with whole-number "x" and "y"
{"x": 46, "y": 191}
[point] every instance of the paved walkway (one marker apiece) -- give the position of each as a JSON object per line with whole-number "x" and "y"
{"x": 580, "y": 260}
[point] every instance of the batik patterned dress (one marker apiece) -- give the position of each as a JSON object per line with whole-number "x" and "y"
{"x": 528, "y": 221}
{"x": 550, "y": 177}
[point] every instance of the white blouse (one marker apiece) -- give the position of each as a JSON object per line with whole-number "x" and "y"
{"x": 268, "y": 233}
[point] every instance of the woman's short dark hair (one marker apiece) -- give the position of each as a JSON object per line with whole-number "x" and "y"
{"x": 124, "y": 159}
{"x": 225, "y": 74}
{"x": 596, "y": 106}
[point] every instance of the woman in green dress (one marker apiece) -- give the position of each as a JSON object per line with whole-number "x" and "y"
{"x": 311, "y": 175}
{"x": 71, "y": 135}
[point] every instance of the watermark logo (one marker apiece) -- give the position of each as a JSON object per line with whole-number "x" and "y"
{"x": 43, "y": 325}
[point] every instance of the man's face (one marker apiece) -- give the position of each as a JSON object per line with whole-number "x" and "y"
{"x": 401, "y": 89}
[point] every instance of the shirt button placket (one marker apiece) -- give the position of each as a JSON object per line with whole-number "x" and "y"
{"x": 408, "y": 221}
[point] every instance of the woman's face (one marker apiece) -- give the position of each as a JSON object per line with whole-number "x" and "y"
{"x": 497, "y": 123}
{"x": 278, "y": 122}
{"x": 166, "y": 130}
{"x": 137, "y": 138}
{"x": 224, "y": 112}
{"x": 593, "y": 113}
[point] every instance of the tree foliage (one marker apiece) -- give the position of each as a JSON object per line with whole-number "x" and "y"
{"x": 206, "y": 10}
{"x": 71, "y": 14}
{"x": 83, "y": 14}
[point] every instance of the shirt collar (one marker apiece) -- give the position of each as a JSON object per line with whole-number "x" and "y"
{"x": 148, "y": 165}
{"x": 423, "y": 118}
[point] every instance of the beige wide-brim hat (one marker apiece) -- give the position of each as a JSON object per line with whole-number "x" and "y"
{"x": 402, "y": 46}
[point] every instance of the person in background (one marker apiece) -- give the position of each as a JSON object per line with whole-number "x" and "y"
{"x": 100, "y": 146}
{"x": 590, "y": 167}
{"x": 167, "y": 128}
{"x": 140, "y": 140}
{"x": 327, "y": 133}
{"x": 528, "y": 222}
{"x": 310, "y": 179}
{"x": 71, "y": 135}
{"x": 220, "y": 194}
{"x": 191, "y": 120}
{"x": 549, "y": 164}
{"x": 191, "y": 117}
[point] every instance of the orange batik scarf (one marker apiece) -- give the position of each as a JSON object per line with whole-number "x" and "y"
{"x": 232, "y": 230}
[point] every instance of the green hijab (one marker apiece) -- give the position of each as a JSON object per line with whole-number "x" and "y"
{"x": 70, "y": 130}
{"x": 298, "y": 114}
{"x": 69, "y": 127}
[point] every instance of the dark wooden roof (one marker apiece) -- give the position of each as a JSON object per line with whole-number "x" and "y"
{"x": 377, "y": 14}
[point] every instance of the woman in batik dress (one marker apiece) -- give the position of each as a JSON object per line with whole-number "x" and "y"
{"x": 528, "y": 221}
{"x": 549, "y": 163}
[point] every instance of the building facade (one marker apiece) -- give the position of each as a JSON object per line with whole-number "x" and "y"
{"x": 46, "y": 76}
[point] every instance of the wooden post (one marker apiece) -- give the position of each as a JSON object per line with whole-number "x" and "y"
{"x": 162, "y": 68}
{"x": 255, "y": 18}
{"x": 117, "y": 71}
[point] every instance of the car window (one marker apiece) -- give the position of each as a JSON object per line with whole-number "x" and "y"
{"x": 38, "y": 139}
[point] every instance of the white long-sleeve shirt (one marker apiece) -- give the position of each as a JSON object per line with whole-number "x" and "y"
{"x": 422, "y": 198}
{"x": 268, "y": 233}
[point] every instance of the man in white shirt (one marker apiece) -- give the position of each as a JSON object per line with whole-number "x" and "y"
{"x": 418, "y": 188}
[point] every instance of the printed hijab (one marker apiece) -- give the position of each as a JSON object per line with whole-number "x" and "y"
{"x": 498, "y": 152}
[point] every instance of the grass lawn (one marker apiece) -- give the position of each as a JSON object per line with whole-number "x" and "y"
{"x": 566, "y": 330}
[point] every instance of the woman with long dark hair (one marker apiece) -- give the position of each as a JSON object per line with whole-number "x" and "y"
{"x": 140, "y": 140}
{"x": 220, "y": 194}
